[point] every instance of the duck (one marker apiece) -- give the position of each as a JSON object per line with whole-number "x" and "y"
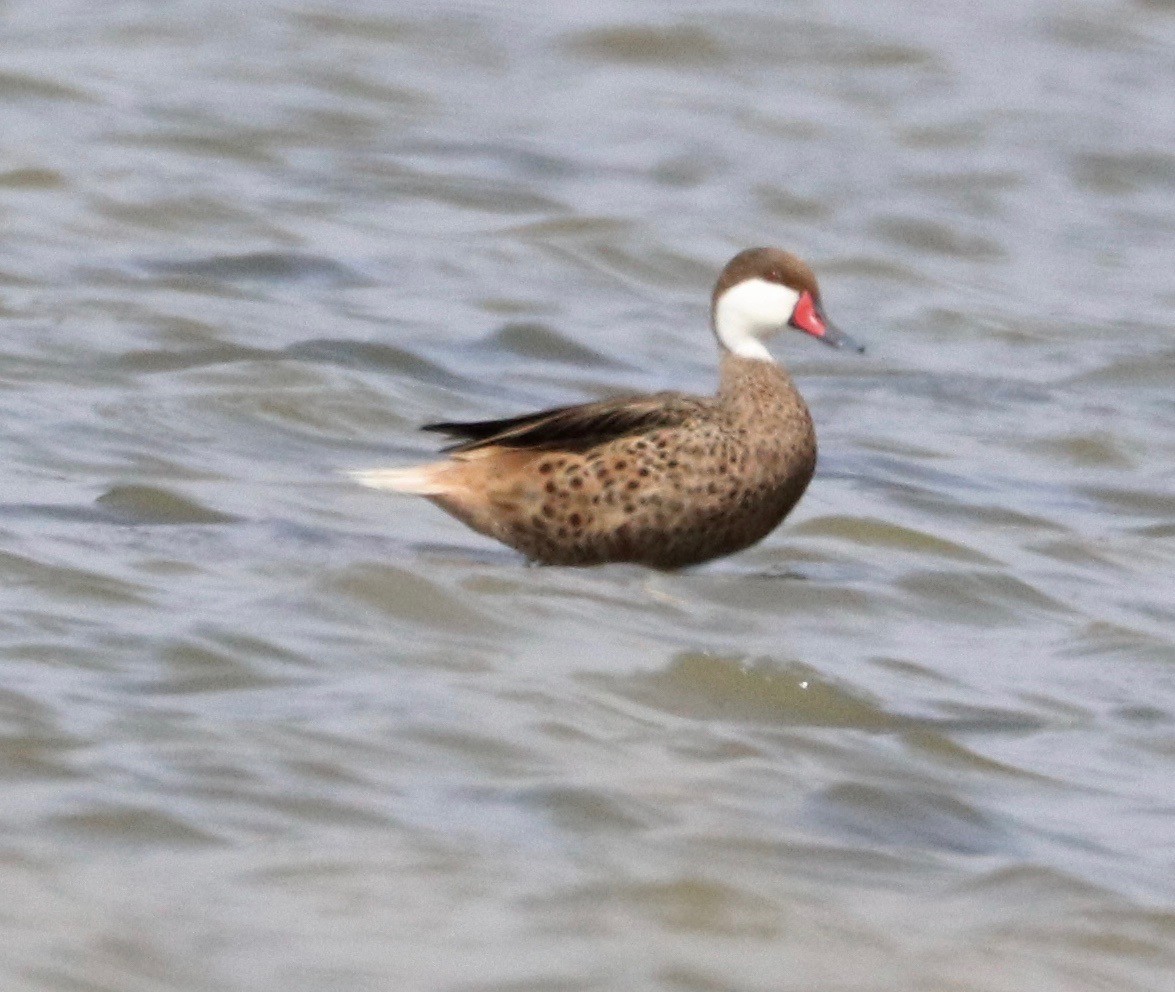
{"x": 665, "y": 480}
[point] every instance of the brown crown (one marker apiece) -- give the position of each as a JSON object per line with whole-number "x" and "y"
{"x": 770, "y": 264}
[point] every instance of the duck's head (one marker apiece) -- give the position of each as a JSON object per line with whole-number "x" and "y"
{"x": 759, "y": 293}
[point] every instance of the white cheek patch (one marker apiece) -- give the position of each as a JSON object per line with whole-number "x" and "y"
{"x": 751, "y": 311}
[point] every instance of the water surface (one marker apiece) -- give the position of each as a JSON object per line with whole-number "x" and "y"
{"x": 265, "y": 730}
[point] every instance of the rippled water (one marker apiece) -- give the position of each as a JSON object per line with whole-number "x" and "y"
{"x": 265, "y": 730}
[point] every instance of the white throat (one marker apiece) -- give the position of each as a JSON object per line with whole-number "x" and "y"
{"x": 751, "y": 311}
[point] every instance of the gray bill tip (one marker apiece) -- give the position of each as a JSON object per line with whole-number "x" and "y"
{"x": 834, "y": 337}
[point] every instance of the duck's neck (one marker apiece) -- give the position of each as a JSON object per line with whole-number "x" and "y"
{"x": 759, "y": 392}
{"x": 739, "y": 375}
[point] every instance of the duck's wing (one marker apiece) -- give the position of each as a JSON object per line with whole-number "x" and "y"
{"x": 576, "y": 427}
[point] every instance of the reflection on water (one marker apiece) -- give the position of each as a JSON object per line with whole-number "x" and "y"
{"x": 264, "y": 729}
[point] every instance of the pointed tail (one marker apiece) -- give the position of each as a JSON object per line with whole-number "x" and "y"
{"x": 420, "y": 480}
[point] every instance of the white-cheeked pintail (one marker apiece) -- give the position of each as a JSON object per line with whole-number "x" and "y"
{"x": 662, "y": 479}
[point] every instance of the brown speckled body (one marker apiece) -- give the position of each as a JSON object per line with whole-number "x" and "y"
{"x": 694, "y": 479}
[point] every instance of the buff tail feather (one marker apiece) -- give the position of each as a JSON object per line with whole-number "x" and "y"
{"x": 419, "y": 480}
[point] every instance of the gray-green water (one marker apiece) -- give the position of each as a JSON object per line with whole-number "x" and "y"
{"x": 264, "y": 730}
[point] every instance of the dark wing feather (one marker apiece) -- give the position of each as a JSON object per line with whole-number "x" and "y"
{"x": 575, "y": 427}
